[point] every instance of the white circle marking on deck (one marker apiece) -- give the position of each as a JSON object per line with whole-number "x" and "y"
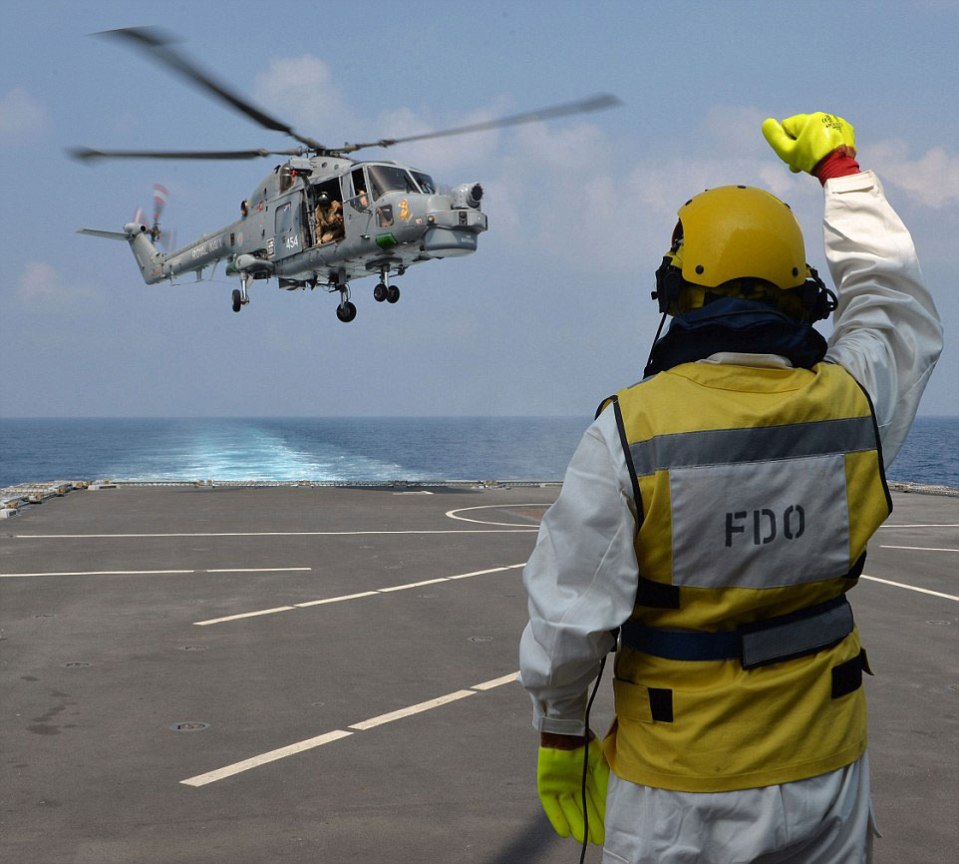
{"x": 452, "y": 514}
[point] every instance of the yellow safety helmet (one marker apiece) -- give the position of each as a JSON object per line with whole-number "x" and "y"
{"x": 738, "y": 241}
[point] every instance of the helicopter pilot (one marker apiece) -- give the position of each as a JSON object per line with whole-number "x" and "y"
{"x": 329, "y": 219}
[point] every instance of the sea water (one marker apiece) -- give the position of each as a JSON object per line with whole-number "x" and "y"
{"x": 368, "y": 449}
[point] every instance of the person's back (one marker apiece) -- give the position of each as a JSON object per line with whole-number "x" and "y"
{"x": 759, "y": 487}
{"x": 714, "y": 517}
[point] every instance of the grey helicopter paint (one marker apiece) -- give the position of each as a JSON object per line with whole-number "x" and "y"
{"x": 392, "y": 218}
{"x": 319, "y": 219}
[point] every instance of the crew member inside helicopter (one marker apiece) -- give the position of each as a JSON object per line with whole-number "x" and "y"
{"x": 329, "y": 219}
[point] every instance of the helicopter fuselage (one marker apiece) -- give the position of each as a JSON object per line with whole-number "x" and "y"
{"x": 326, "y": 221}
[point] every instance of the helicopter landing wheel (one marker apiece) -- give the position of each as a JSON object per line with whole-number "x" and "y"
{"x": 392, "y": 294}
{"x": 381, "y": 293}
{"x": 346, "y": 312}
{"x": 237, "y": 300}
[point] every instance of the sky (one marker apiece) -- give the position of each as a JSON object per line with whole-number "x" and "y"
{"x": 553, "y": 312}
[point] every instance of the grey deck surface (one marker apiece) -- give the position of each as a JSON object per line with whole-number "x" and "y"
{"x": 376, "y": 727}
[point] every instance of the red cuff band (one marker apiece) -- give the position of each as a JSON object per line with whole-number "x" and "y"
{"x": 839, "y": 163}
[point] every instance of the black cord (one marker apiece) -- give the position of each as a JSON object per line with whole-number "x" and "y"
{"x": 652, "y": 347}
{"x": 589, "y": 705}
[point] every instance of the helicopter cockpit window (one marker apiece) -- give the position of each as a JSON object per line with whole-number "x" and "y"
{"x": 360, "y": 199}
{"x": 389, "y": 178}
{"x": 426, "y": 182}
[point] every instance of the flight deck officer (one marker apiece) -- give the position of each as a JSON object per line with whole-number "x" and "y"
{"x": 715, "y": 514}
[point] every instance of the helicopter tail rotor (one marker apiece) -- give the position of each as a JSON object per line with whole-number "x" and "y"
{"x": 160, "y": 195}
{"x": 166, "y": 239}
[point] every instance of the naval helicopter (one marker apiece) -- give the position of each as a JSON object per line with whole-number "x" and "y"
{"x": 319, "y": 219}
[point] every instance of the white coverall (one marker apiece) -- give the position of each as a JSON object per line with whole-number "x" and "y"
{"x": 581, "y": 577}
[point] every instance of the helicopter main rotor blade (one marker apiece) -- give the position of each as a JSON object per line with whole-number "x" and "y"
{"x": 86, "y": 154}
{"x": 582, "y": 106}
{"x": 159, "y": 47}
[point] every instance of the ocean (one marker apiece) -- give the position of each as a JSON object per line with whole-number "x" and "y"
{"x": 344, "y": 450}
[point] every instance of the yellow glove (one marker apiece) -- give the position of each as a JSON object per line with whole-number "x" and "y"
{"x": 804, "y": 140}
{"x": 559, "y": 781}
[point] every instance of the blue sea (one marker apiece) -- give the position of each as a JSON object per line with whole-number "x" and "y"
{"x": 348, "y": 450}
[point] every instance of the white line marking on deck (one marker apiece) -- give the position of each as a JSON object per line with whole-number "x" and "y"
{"x": 515, "y": 530}
{"x": 910, "y": 587}
{"x": 887, "y": 527}
{"x": 246, "y": 615}
{"x": 452, "y": 514}
{"x": 484, "y": 572}
{"x": 160, "y": 572}
{"x": 920, "y": 548}
{"x": 339, "y": 599}
{"x": 260, "y": 570}
{"x": 496, "y": 682}
{"x": 101, "y": 573}
{"x": 337, "y": 734}
{"x": 344, "y": 597}
{"x": 265, "y": 758}
{"x": 363, "y": 725}
{"x": 413, "y": 585}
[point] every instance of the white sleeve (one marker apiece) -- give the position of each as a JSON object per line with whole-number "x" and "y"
{"x": 580, "y": 580}
{"x": 887, "y": 331}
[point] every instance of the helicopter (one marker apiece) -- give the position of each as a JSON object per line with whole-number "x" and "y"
{"x": 319, "y": 218}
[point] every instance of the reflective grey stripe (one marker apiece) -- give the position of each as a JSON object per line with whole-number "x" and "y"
{"x": 762, "y": 524}
{"x": 796, "y": 638}
{"x": 760, "y": 444}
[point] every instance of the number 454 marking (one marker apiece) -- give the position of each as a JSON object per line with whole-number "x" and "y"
{"x": 291, "y": 242}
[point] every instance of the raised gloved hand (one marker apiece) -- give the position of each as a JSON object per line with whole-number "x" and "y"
{"x": 823, "y": 145}
{"x": 559, "y": 781}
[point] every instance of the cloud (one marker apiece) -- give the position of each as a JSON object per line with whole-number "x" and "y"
{"x": 734, "y": 129}
{"x": 444, "y": 155}
{"x": 302, "y": 88}
{"x": 566, "y": 195}
{"x": 931, "y": 180}
{"x": 21, "y": 117}
{"x": 581, "y": 147}
{"x": 43, "y": 288}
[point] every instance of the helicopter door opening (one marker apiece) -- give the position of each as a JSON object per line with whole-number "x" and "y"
{"x": 327, "y": 212}
{"x": 356, "y": 201}
{"x": 287, "y": 222}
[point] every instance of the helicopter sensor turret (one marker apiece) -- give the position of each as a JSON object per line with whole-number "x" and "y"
{"x": 467, "y": 195}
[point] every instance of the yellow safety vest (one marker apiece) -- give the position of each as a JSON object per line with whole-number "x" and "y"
{"x": 756, "y": 491}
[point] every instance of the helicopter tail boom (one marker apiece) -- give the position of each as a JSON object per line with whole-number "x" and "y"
{"x": 149, "y": 258}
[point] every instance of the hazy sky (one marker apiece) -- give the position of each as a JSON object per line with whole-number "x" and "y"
{"x": 553, "y": 312}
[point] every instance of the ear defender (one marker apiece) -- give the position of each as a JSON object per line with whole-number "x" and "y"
{"x": 818, "y": 301}
{"x": 669, "y": 282}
